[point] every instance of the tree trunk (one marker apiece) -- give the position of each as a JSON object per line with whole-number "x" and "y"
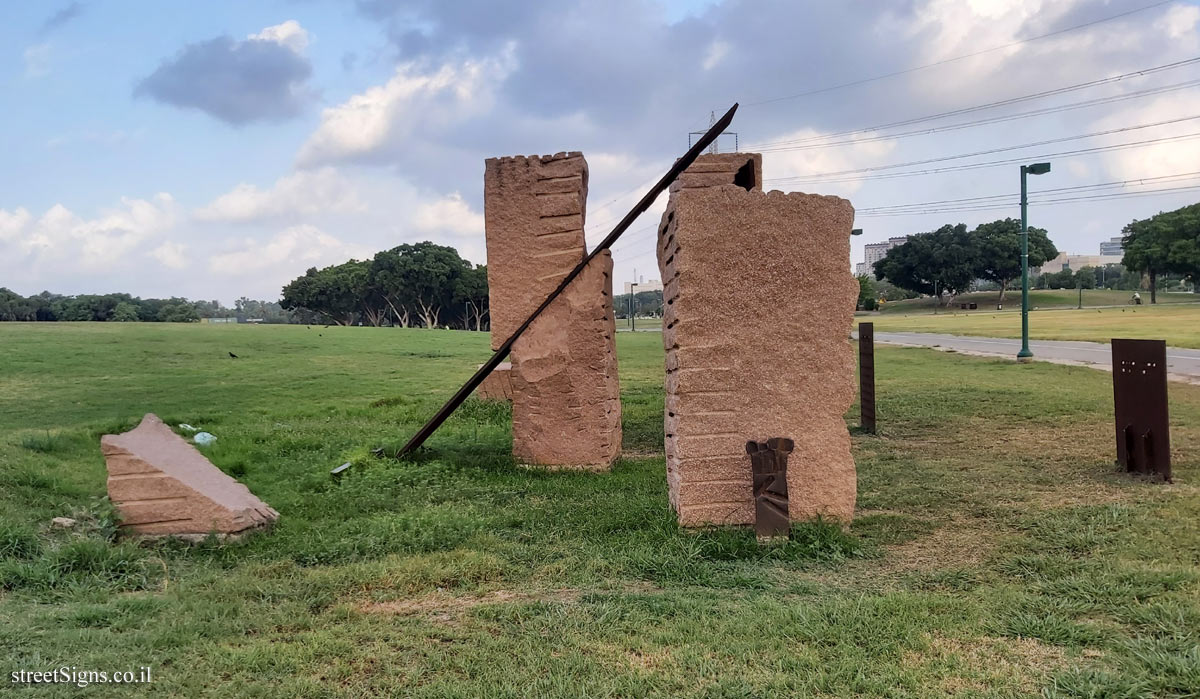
{"x": 429, "y": 314}
{"x": 401, "y": 318}
{"x": 1003, "y": 288}
{"x": 1153, "y": 287}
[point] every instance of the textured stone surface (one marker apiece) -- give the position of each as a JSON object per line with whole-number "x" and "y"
{"x": 163, "y": 486}
{"x": 759, "y": 300}
{"x": 534, "y": 208}
{"x": 497, "y": 385}
{"x": 566, "y": 396}
{"x": 564, "y": 388}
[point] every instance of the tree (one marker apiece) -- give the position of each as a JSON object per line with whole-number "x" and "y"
{"x": 471, "y": 291}
{"x": 940, "y": 262}
{"x": 1168, "y": 242}
{"x": 419, "y": 278}
{"x": 335, "y": 293}
{"x": 126, "y": 312}
{"x": 998, "y": 245}
{"x": 866, "y": 292}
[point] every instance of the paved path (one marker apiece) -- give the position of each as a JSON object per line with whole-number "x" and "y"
{"x": 1182, "y": 364}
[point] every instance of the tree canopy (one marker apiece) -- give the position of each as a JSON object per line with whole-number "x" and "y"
{"x": 947, "y": 260}
{"x": 1166, "y": 243}
{"x": 422, "y": 283}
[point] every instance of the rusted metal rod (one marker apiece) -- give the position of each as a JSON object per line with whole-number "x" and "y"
{"x": 500, "y": 354}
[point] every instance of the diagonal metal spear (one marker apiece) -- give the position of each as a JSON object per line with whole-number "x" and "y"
{"x": 469, "y": 387}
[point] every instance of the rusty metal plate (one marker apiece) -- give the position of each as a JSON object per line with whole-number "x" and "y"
{"x": 866, "y": 375}
{"x": 1140, "y": 406}
{"x": 768, "y": 462}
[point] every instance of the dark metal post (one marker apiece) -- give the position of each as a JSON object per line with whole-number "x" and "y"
{"x": 1140, "y": 406}
{"x": 866, "y": 375}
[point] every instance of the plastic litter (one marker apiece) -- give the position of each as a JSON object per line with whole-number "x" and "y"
{"x": 204, "y": 438}
{"x": 189, "y": 428}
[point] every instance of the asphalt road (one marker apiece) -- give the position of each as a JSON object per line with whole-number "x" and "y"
{"x": 1182, "y": 364}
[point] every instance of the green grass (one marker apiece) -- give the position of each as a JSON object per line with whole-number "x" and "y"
{"x": 1179, "y": 325}
{"x": 1038, "y": 298}
{"x": 996, "y": 552}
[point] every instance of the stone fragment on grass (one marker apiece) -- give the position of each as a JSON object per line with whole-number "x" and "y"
{"x": 163, "y": 486}
{"x": 62, "y": 523}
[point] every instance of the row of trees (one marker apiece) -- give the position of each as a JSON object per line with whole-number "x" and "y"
{"x": 126, "y": 308}
{"x": 413, "y": 284}
{"x": 948, "y": 260}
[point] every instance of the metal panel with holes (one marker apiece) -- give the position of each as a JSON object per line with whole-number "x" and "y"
{"x": 1140, "y": 406}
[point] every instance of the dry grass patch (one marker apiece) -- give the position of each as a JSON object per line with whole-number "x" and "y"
{"x": 971, "y": 665}
{"x": 444, "y": 607}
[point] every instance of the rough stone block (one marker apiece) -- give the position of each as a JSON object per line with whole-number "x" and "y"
{"x": 759, "y": 301}
{"x": 563, "y": 382}
{"x": 497, "y": 385}
{"x": 163, "y": 486}
{"x": 566, "y": 396}
{"x": 534, "y": 211}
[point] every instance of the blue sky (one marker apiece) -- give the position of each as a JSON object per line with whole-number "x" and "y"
{"x": 218, "y": 149}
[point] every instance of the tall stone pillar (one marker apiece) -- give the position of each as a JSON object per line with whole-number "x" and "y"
{"x": 758, "y": 304}
{"x": 565, "y": 392}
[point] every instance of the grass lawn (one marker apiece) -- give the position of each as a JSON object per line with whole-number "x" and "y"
{"x": 1179, "y": 325}
{"x": 996, "y": 550}
{"x": 1038, "y": 298}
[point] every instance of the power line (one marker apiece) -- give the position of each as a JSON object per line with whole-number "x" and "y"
{"x": 1001, "y": 149}
{"x": 994, "y": 120}
{"x": 1040, "y": 202}
{"x": 956, "y": 58}
{"x": 1161, "y": 179}
{"x": 981, "y": 107}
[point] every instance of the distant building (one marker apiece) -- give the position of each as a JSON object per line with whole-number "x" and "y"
{"x": 219, "y": 320}
{"x": 1066, "y": 260}
{"x": 644, "y": 285}
{"x": 1112, "y": 246}
{"x": 874, "y": 252}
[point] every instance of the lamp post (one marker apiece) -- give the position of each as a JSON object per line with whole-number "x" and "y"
{"x": 633, "y": 305}
{"x": 1025, "y": 355}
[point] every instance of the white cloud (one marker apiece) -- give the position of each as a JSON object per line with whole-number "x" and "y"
{"x": 285, "y": 255}
{"x": 451, "y": 214}
{"x": 1166, "y": 158}
{"x": 411, "y": 101}
{"x": 37, "y": 60}
{"x": 303, "y": 193}
{"x": 63, "y": 237}
{"x": 717, "y": 51}
{"x": 289, "y": 34}
{"x": 171, "y": 255}
{"x": 13, "y": 222}
{"x": 795, "y": 163}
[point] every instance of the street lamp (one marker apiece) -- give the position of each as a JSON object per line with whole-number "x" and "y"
{"x": 633, "y": 305}
{"x": 1025, "y": 355}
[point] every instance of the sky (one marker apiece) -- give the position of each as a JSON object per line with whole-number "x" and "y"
{"x": 218, "y": 149}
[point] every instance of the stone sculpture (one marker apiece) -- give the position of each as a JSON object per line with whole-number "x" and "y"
{"x": 758, "y": 304}
{"x": 564, "y": 387}
{"x": 163, "y": 486}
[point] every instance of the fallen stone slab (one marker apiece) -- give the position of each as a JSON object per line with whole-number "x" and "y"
{"x": 163, "y": 486}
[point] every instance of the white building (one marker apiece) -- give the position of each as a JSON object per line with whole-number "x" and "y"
{"x": 874, "y": 252}
{"x": 1112, "y": 246}
{"x": 644, "y": 285}
{"x": 1066, "y": 260}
